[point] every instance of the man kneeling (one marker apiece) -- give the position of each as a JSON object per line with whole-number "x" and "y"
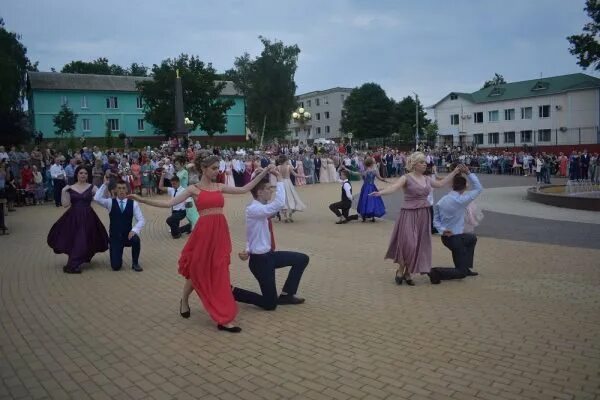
{"x": 260, "y": 249}
{"x": 449, "y": 220}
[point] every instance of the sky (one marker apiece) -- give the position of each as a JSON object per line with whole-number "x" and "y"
{"x": 427, "y": 47}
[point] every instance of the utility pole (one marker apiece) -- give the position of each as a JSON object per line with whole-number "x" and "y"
{"x": 416, "y": 121}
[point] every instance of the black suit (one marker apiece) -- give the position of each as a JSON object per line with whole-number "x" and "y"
{"x": 318, "y": 169}
{"x": 585, "y": 164}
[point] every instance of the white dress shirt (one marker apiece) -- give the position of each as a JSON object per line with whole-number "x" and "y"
{"x": 347, "y": 188}
{"x": 106, "y": 202}
{"x": 174, "y": 192}
{"x": 258, "y": 236}
{"x": 57, "y": 171}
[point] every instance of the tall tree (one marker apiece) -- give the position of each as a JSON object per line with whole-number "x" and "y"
{"x": 101, "y": 66}
{"x": 64, "y": 121}
{"x": 495, "y": 81}
{"x": 586, "y": 46}
{"x": 137, "y": 70}
{"x": 403, "y": 118}
{"x": 367, "y": 112}
{"x": 14, "y": 126}
{"x": 267, "y": 82}
{"x": 202, "y": 101}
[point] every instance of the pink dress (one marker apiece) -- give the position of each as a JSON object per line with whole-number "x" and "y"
{"x": 300, "y": 180}
{"x": 410, "y": 244}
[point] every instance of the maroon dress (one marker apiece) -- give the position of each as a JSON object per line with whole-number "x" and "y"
{"x": 79, "y": 233}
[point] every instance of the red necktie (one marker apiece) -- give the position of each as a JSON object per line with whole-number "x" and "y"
{"x": 272, "y": 235}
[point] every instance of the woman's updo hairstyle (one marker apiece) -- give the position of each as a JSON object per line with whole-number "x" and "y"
{"x": 205, "y": 159}
{"x": 414, "y": 159}
{"x": 369, "y": 162}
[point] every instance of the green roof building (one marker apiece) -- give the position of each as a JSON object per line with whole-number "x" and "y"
{"x": 555, "y": 111}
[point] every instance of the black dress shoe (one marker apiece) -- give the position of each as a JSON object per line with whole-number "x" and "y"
{"x": 233, "y": 329}
{"x": 289, "y": 299}
{"x": 434, "y": 277}
{"x": 137, "y": 268}
{"x": 471, "y": 273}
{"x": 344, "y": 221}
{"x": 184, "y": 314}
{"x": 68, "y": 270}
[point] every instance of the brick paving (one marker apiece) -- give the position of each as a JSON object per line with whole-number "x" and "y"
{"x": 527, "y": 328}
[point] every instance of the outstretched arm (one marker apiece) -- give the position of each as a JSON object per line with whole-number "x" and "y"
{"x": 379, "y": 177}
{"x": 447, "y": 179}
{"x": 248, "y": 187}
{"x": 400, "y": 183}
{"x": 172, "y": 201}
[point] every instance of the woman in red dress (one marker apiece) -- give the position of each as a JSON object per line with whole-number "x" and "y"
{"x": 205, "y": 258}
{"x": 564, "y": 161}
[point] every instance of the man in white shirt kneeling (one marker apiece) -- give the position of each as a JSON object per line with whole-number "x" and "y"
{"x": 260, "y": 249}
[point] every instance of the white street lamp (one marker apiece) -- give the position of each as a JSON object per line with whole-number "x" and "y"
{"x": 301, "y": 117}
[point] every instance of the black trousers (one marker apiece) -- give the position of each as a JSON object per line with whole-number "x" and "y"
{"x": 341, "y": 208}
{"x": 117, "y": 244}
{"x": 318, "y": 174}
{"x": 173, "y": 222}
{"x": 263, "y": 268}
{"x": 58, "y": 184}
{"x": 463, "y": 250}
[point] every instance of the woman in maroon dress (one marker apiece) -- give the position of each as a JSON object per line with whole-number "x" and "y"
{"x": 205, "y": 258}
{"x": 79, "y": 233}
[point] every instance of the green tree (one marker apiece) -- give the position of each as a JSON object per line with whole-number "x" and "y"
{"x": 14, "y": 125}
{"x": 430, "y": 133}
{"x": 101, "y": 66}
{"x": 403, "y": 119}
{"x": 268, "y": 85}
{"x": 202, "y": 101}
{"x": 137, "y": 70}
{"x": 586, "y": 46}
{"x": 367, "y": 112}
{"x": 64, "y": 121}
{"x": 495, "y": 81}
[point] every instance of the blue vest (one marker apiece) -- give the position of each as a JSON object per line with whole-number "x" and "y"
{"x": 120, "y": 222}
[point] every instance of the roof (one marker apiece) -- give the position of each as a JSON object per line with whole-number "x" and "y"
{"x": 113, "y": 83}
{"x": 530, "y": 88}
{"x": 323, "y": 92}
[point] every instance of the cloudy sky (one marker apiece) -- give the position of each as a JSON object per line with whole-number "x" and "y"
{"x": 429, "y": 47}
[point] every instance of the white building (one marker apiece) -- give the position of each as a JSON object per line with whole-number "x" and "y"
{"x": 326, "y": 107}
{"x": 555, "y": 111}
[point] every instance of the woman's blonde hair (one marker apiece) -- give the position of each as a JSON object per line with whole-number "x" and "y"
{"x": 414, "y": 159}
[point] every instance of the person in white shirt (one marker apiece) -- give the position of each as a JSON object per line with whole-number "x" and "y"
{"x": 342, "y": 208}
{"x": 260, "y": 250}
{"x": 178, "y": 211}
{"x": 57, "y": 173}
{"x": 121, "y": 232}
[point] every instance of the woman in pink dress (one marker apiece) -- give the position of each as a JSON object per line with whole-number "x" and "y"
{"x": 229, "y": 173}
{"x": 300, "y": 179}
{"x": 136, "y": 181}
{"x": 410, "y": 245}
{"x": 564, "y": 163}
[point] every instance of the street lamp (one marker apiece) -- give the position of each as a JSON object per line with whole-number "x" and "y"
{"x": 416, "y": 121}
{"x": 301, "y": 117}
{"x": 350, "y": 136}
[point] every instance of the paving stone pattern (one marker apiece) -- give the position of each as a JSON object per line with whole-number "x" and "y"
{"x": 527, "y": 328}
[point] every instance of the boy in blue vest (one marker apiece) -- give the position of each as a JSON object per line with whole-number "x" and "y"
{"x": 121, "y": 211}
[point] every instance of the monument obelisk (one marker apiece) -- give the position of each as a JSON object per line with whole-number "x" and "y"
{"x": 179, "y": 118}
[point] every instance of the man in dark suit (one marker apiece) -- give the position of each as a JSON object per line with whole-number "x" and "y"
{"x": 584, "y": 161}
{"x": 121, "y": 232}
{"x": 317, "y": 168}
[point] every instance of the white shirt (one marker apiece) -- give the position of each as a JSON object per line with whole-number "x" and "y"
{"x": 174, "y": 192}
{"x": 222, "y": 166}
{"x": 449, "y": 212}
{"x": 169, "y": 171}
{"x": 57, "y": 171}
{"x": 106, "y": 202}
{"x": 3, "y": 156}
{"x": 258, "y": 237}
{"x": 347, "y": 188}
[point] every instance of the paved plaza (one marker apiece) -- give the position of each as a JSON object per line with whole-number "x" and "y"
{"x": 528, "y": 327}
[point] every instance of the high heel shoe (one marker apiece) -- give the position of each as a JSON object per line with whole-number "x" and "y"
{"x": 185, "y": 314}
{"x": 398, "y": 280}
{"x": 232, "y": 329}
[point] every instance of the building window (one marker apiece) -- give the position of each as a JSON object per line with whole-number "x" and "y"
{"x": 454, "y": 119}
{"x": 140, "y": 124}
{"x": 317, "y": 102}
{"x": 318, "y": 116}
{"x": 453, "y": 96}
{"x": 114, "y": 124}
{"x": 327, "y": 129}
{"x": 493, "y": 138}
{"x": 84, "y": 102}
{"x": 86, "y": 124}
{"x": 308, "y": 103}
{"x": 544, "y": 135}
{"x": 64, "y": 101}
{"x": 139, "y": 102}
{"x": 478, "y": 138}
{"x": 318, "y": 130}
{"x": 509, "y": 137}
{"x": 493, "y": 116}
{"x": 544, "y": 111}
{"x": 526, "y": 135}
{"x": 526, "y": 112}
{"x": 478, "y": 117}
{"x": 326, "y": 114}
{"x": 112, "y": 102}
{"x": 308, "y": 130}
{"x": 326, "y": 100}
{"x": 509, "y": 114}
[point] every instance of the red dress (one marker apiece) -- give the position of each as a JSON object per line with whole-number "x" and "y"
{"x": 205, "y": 259}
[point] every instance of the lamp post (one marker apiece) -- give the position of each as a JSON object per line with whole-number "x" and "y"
{"x": 416, "y": 121}
{"x": 350, "y": 136}
{"x": 301, "y": 117}
{"x": 189, "y": 124}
